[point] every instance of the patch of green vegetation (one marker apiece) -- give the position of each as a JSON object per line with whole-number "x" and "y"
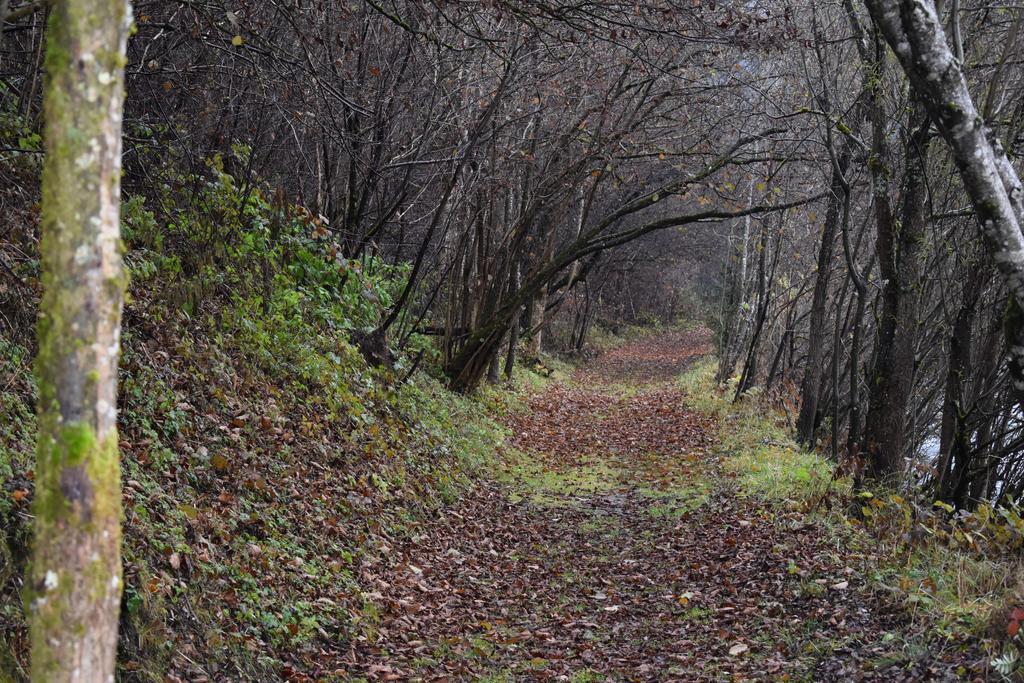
{"x": 803, "y": 641}
{"x": 17, "y": 419}
{"x": 553, "y": 368}
{"x": 463, "y": 425}
{"x": 530, "y": 378}
{"x": 624, "y": 389}
{"x": 17, "y": 458}
{"x": 601, "y": 337}
{"x": 586, "y": 676}
{"x": 19, "y": 136}
{"x": 532, "y": 480}
{"x": 698, "y": 614}
{"x": 536, "y": 664}
{"x": 812, "y": 588}
{"x": 678, "y": 500}
{"x": 956, "y": 591}
{"x": 608, "y": 526}
{"x": 672, "y": 510}
{"x": 781, "y": 472}
{"x": 756, "y": 447}
{"x": 499, "y": 677}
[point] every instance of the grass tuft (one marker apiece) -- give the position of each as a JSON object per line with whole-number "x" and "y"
{"x": 756, "y": 447}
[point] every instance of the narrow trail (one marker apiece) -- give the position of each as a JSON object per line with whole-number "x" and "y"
{"x": 615, "y": 547}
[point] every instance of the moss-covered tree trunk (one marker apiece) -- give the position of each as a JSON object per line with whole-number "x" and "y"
{"x": 73, "y": 590}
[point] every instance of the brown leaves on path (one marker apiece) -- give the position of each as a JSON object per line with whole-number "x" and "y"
{"x": 654, "y": 358}
{"x": 569, "y": 425}
{"x": 657, "y": 571}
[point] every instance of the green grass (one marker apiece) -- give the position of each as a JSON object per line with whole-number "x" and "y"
{"x": 531, "y": 479}
{"x": 756, "y": 447}
{"x": 957, "y": 593}
{"x": 586, "y": 676}
{"x": 678, "y": 500}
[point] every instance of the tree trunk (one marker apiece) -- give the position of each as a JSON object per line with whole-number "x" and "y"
{"x": 899, "y": 246}
{"x": 953, "y": 431}
{"x": 975, "y": 421}
{"x": 73, "y": 588}
{"x": 513, "y": 334}
{"x": 765, "y": 279}
{"x": 914, "y": 31}
{"x": 809, "y": 388}
{"x": 860, "y": 287}
{"x": 737, "y": 315}
{"x": 494, "y": 370}
{"x": 539, "y": 306}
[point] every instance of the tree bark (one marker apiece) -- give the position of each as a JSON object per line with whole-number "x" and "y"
{"x": 953, "y": 430}
{"x": 513, "y": 334}
{"x": 765, "y": 281}
{"x": 737, "y": 317}
{"x": 807, "y": 422}
{"x": 73, "y": 588}
{"x": 898, "y": 246}
{"x": 913, "y": 30}
{"x": 537, "y": 314}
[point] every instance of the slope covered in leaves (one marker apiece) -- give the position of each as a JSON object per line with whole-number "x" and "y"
{"x": 262, "y": 457}
{"x": 615, "y": 546}
{"x": 253, "y": 492}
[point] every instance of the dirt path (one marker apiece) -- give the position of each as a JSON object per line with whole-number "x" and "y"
{"x": 614, "y": 548}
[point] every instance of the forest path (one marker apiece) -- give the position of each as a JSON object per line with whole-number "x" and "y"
{"x": 614, "y": 547}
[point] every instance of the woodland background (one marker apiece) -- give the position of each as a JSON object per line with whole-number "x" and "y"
{"x": 335, "y": 212}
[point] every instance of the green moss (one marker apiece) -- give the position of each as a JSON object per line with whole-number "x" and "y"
{"x": 77, "y": 443}
{"x": 679, "y": 499}
{"x": 77, "y": 470}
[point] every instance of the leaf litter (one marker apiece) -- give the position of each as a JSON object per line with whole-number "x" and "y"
{"x": 598, "y": 582}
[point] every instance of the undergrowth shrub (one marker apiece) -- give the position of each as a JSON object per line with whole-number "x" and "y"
{"x": 961, "y": 568}
{"x": 215, "y": 235}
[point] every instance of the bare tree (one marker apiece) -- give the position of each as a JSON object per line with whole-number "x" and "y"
{"x": 914, "y": 32}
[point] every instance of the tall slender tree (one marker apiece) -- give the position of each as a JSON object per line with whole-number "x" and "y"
{"x": 74, "y": 584}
